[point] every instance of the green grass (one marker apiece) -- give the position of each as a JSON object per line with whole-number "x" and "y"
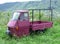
{"x": 51, "y": 36}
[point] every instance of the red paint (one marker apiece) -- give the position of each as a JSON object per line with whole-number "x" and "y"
{"x": 24, "y": 26}
{"x": 11, "y": 23}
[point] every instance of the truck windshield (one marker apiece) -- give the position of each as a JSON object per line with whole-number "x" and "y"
{"x": 15, "y": 16}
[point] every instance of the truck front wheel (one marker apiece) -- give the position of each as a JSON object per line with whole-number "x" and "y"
{"x": 8, "y": 33}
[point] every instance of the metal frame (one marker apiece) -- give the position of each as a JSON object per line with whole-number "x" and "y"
{"x": 50, "y": 8}
{"x": 39, "y": 13}
{"x": 43, "y": 9}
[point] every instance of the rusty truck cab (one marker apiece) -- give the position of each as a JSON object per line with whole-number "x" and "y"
{"x": 19, "y": 24}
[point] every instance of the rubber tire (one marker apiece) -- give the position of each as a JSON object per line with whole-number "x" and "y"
{"x": 8, "y": 33}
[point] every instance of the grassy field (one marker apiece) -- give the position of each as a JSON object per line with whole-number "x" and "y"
{"x": 51, "y": 36}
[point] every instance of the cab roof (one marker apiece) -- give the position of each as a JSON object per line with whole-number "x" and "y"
{"x": 22, "y": 10}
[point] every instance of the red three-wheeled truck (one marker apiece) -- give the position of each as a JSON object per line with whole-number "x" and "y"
{"x": 20, "y": 25}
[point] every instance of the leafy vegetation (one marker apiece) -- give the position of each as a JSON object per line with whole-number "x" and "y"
{"x": 4, "y": 18}
{"x": 51, "y": 36}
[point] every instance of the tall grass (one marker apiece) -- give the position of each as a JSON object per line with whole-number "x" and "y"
{"x": 4, "y": 18}
{"x": 51, "y": 35}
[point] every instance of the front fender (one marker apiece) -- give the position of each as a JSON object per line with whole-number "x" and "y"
{"x": 12, "y": 24}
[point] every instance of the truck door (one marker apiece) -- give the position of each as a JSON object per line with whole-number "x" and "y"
{"x": 23, "y": 24}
